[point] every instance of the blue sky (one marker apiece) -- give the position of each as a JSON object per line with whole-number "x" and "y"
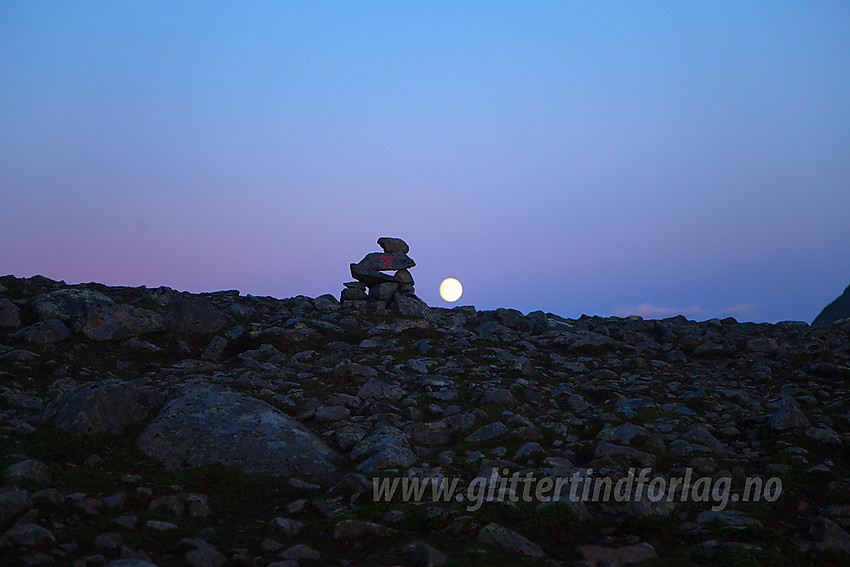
{"x": 575, "y": 157}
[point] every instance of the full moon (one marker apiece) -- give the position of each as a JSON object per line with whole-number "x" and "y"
{"x": 451, "y": 290}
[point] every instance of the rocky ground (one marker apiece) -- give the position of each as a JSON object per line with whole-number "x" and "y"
{"x": 146, "y": 426}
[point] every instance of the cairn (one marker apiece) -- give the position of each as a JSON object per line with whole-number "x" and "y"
{"x": 374, "y": 285}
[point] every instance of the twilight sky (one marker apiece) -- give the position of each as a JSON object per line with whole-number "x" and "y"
{"x": 591, "y": 157}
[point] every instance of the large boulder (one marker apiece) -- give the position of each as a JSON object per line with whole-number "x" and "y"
{"x": 94, "y": 315}
{"x": 10, "y": 314}
{"x": 207, "y": 425}
{"x": 412, "y": 307}
{"x": 43, "y": 332}
{"x": 187, "y": 313}
{"x": 838, "y": 309}
{"x": 99, "y": 407}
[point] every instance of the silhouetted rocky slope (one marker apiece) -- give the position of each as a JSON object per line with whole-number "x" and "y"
{"x": 217, "y": 429}
{"x": 835, "y": 311}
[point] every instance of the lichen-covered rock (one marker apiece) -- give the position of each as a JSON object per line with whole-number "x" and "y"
{"x": 412, "y": 307}
{"x": 206, "y": 425}
{"x": 94, "y": 315}
{"x": 100, "y": 407}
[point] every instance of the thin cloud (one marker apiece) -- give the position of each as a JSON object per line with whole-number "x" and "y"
{"x": 739, "y": 310}
{"x": 650, "y": 311}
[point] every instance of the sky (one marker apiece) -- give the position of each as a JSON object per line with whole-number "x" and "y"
{"x": 594, "y": 157}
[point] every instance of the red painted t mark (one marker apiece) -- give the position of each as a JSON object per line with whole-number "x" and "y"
{"x": 386, "y": 259}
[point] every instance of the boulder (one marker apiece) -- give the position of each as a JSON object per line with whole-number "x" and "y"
{"x": 616, "y": 556}
{"x": 100, "y": 407}
{"x": 95, "y": 315}
{"x": 788, "y": 416}
{"x": 494, "y": 534}
{"x": 13, "y": 503}
{"x": 412, "y": 307}
{"x": 185, "y": 312}
{"x": 10, "y": 314}
{"x": 27, "y": 470}
{"x": 205, "y": 425}
{"x": 389, "y": 244}
{"x": 43, "y": 332}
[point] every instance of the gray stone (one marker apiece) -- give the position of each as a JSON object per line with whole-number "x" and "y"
{"x": 13, "y": 504}
{"x": 10, "y": 314}
{"x": 382, "y": 291}
{"x": 332, "y": 413}
{"x": 699, "y": 434}
{"x": 126, "y": 522}
{"x": 576, "y": 403}
{"x": 66, "y": 304}
{"x": 349, "y": 435}
{"x": 824, "y": 435}
{"x": 356, "y": 530}
{"x": 830, "y": 534}
{"x": 788, "y": 416}
{"x": 379, "y": 389}
{"x": 405, "y": 277}
{"x": 388, "y": 457}
{"x": 206, "y": 425}
{"x": 108, "y": 542}
{"x": 214, "y": 349}
{"x": 109, "y": 406}
{"x": 185, "y": 312}
{"x": 412, "y": 307}
{"x": 370, "y": 277}
{"x": 623, "y": 434}
{"x": 203, "y": 555}
{"x": 31, "y": 536}
{"x": 429, "y": 434}
{"x": 487, "y": 432}
{"x": 95, "y": 315}
{"x": 301, "y": 551}
{"x": 617, "y": 556}
{"x": 325, "y": 303}
{"x": 161, "y": 526}
{"x": 390, "y": 245}
{"x": 286, "y": 526}
{"x": 421, "y": 554}
{"x": 494, "y": 534}
{"x": 43, "y": 332}
{"x": 370, "y": 269}
{"x": 726, "y": 519}
{"x": 353, "y": 294}
{"x": 527, "y": 450}
{"x": 605, "y": 449}
{"x": 763, "y": 345}
{"x": 30, "y": 470}
{"x": 497, "y": 396}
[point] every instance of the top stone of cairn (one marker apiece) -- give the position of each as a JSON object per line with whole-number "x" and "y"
{"x": 391, "y": 245}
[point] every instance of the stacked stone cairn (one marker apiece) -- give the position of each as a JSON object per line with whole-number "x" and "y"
{"x": 375, "y": 286}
